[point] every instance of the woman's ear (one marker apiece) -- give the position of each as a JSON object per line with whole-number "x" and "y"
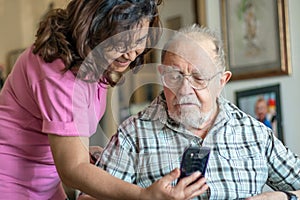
{"x": 225, "y": 78}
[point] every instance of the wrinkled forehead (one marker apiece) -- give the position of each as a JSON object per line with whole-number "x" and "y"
{"x": 198, "y": 54}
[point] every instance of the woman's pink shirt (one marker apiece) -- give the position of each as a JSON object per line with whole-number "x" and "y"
{"x": 38, "y": 99}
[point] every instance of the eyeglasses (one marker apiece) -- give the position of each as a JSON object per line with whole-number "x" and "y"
{"x": 174, "y": 79}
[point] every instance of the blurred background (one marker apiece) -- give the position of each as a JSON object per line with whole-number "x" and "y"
{"x": 19, "y": 20}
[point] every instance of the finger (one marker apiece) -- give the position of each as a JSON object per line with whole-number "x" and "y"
{"x": 93, "y": 159}
{"x": 94, "y": 149}
{"x": 197, "y": 188}
{"x": 195, "y": 193}
{"x": 190, "y": 179}
{"x": 174, "y": 174}
{"x": 95, "y": 152}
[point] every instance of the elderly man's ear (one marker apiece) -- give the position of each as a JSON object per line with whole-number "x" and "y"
{"x": 225, "y": 78}
{"x": 160, "y": 68}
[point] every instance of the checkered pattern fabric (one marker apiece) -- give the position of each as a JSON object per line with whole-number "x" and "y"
{"x": 245, "y": 155}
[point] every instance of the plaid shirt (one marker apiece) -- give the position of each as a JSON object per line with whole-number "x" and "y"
{"x": 244, "y": 157}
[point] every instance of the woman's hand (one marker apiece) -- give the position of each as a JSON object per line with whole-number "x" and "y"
{"x": 162, "y": 189}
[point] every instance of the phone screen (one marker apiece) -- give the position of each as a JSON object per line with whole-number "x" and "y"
{"x": 194, "y": 159}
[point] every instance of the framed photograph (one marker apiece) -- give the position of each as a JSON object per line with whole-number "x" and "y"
{"x": 177, "y": 13}
{"x": 200, "y": 6}
{"x": 263, "y": 104}
{"x": 256, "y": 37}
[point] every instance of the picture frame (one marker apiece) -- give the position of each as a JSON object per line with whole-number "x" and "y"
{"x": 256, "y": 38}
{"x": 177, "y": 13}
{"x": 247, "y": 100}
{"x": 200, "y": 12}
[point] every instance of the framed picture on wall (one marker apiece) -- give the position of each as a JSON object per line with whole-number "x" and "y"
{"x": 256, "y": 37}
{"x": 263, "y": 103}
{"x": 200, "y": 6}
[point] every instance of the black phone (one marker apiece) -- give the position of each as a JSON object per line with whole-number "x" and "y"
{"x": 194, "y": 159}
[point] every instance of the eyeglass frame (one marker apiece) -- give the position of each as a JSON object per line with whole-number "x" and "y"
{"x": 206, "y": 81}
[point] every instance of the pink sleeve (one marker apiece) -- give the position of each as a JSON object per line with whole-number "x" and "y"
{"x": 68, "y": 106}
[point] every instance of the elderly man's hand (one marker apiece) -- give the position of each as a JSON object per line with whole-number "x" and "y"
{"x": 269, "y": 196}
{"x": 95, "y": 152}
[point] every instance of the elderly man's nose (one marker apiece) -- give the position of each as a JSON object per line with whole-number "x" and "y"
{"x": 185, "y": 87}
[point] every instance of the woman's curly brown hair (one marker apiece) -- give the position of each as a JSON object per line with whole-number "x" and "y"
{"x": 71, "y": 34}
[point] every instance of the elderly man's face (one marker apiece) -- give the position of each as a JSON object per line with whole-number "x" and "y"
{"x": 187, "y": 105}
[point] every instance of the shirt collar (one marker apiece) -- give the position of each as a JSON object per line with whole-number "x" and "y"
{"x": 157, "y": 111}
{"x": 228, "y": 113}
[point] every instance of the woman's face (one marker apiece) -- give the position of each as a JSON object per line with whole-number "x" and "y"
{"x": 119, "y": 60}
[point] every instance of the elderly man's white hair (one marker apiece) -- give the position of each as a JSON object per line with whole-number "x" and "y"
{"x": 199, "y": 33}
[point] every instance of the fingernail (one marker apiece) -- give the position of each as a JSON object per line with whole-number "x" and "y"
{"x": 197, "y": 173}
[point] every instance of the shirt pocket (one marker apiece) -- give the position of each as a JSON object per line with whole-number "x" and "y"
{"x": 244, "y": 166}
{"x": 152, "y": 166}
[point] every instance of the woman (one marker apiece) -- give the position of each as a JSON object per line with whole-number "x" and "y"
{"x": 54, "y": 97}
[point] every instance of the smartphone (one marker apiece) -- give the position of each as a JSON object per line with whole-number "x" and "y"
{"x": 194, "y": 159}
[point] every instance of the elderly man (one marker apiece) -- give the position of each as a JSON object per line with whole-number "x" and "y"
{"x": 245, "y": 154}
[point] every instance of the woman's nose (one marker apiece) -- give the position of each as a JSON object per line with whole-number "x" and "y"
{"x": 131, "y": 55}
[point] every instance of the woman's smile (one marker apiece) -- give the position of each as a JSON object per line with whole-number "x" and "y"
{"x": 121, "y": 62}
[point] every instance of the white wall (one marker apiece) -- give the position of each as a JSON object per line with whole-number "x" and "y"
{"x": 19, "y": 21}
{"x": 290, "y": 92}
{"x": 14, "y": 35}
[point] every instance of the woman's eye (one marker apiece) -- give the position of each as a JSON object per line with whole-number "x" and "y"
{"x": 141, "y": 41}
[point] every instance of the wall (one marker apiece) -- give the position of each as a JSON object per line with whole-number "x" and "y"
{"x": 10, "y": 22}
{"x": 14, "y": 34}
{"x": 19, "y": 20}
{"x": 290, "y": 92}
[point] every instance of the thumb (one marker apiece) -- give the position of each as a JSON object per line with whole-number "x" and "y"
{"x": 174, "y": 174}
